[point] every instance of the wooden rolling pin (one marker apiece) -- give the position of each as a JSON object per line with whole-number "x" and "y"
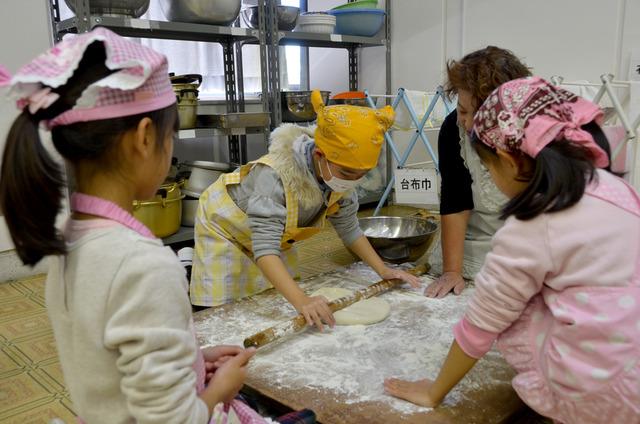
{"x": 299, "y": 322}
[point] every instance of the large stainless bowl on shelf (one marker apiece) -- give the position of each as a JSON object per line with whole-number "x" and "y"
{"x": 203, "y": 174}
{"x": 133, "y": 8}
{"x": 213, "y": 12}
{"x": 296, "y": 105}
{"x": 399, "y": 239}
{"x": 287, "y": 17}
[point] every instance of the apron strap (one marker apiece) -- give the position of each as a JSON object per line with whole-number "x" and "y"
{"x": 624, "y": 197}
{"x": 291, "y": 202}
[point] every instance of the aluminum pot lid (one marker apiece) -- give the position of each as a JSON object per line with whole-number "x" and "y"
{"x": 213, "y": 166}
{"x": 186, "y": 79}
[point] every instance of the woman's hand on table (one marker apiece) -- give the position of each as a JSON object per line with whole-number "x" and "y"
{"x": 418, "y": 392}
{"x": 215, "y": 356}
{"x": 226, "y": 382}
{"x": 447, "y": 282}
{"x": 316, "y": 311}
{"x": 391, "y": 273}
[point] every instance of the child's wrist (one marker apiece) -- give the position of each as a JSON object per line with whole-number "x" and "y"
{"x": 211, "y": 396}
{"x": 299, "y": 300}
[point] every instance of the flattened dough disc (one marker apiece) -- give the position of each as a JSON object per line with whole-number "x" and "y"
{"x": 364, "y": 312}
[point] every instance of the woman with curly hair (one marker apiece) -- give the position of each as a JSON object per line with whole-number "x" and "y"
{"x": 470, "y": 202}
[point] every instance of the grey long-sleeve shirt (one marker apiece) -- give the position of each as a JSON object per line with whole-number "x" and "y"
{"x": 261, "y": 196}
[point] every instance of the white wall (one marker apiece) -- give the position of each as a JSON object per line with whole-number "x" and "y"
{"x": 578, "y": 39}
{"x": 24, "y": 32}
{"x": 328, "y": 68}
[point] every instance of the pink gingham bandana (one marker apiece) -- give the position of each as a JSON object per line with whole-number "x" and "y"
{"x": 5, "y": 77}
{"x": 139, "y": 83}
{"x": 526, "y": 114}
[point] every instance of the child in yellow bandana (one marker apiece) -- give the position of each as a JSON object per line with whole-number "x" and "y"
{"x": 248, "y": 221}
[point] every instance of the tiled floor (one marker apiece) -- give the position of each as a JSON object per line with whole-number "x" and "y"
{"x": 32, "y": 389}
{"x": 31, "y": 386}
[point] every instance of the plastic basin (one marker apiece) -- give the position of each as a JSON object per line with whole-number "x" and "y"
{"x": 366, "y": 4}
{"x": 359, "y": 22}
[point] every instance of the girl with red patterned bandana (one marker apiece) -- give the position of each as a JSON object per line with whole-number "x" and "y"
{"x": 560, "y": 289}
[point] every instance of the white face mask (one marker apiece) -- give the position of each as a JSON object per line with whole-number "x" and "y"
{"x": 338, "y": 184}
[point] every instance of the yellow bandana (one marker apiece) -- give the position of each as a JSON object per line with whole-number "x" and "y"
{"x": 351, "y": 136}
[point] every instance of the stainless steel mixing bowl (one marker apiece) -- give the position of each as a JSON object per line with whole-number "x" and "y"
{"x": 134, "y": 8}
{"x": 296, "y": 105}
{"x": 287, "y": 17}
{"x": 399, "y": 239}
{"x": 218, "y": 12}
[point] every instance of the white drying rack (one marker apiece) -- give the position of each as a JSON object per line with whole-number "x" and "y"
{"x": 401, "y": 98}
{"x": 607, "y": 86}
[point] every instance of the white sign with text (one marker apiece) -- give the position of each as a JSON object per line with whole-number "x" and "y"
{"x": 416, "y": 186}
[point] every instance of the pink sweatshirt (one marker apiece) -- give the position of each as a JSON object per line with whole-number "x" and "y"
{"x": 561, "y": 293}
{"x": 592, "y": 244}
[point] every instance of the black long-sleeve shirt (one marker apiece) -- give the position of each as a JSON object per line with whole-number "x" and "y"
{"x": 455, "y": 189}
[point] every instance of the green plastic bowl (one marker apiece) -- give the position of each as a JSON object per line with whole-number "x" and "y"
{"x": 359, "y": 4}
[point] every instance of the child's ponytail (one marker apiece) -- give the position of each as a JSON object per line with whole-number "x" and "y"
{"x": 31, "y": 192}
{"x": 31, "y": 182}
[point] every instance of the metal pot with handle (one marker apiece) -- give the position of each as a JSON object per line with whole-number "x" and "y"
{"x": 185, "y": 88}
{"x": 163, "y": 213}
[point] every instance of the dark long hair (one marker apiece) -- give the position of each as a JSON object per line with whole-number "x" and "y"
{"x": 561, "y": 172}
{"x": 32, "y": 183}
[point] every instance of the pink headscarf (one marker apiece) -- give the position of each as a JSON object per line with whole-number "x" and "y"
{"x": 526, "y": 114}
{"x": 139, "y": 84}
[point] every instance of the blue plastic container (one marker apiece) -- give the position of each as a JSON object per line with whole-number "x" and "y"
{"x": 361, "y": 22}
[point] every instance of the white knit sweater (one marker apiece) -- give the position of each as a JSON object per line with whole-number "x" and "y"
{"x": 122, "y": 322}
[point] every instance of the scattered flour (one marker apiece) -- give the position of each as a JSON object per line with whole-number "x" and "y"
{"x": 353, "y": 361}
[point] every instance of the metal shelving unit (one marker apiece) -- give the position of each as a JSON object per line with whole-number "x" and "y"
{"x": 142, "y": 28}
{"x": 309, "y": 39}
{"x": 216, "y": 132}
{"x": 183, "y": 234}
{"x": 275, "y": 39}
{"x": 232, "y": 39}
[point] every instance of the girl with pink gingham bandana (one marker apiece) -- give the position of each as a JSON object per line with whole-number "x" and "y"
{"x": 117, "y": 298}
{"x": 560, "y": 289}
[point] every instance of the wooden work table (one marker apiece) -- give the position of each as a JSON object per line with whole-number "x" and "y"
{"x": 339, "y": 373}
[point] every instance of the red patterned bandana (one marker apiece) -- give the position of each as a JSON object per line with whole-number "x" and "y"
{"x": 526, "y": 114}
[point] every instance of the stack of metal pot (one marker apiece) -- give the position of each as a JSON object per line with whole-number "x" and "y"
{"x": 203, "y": 174}
{"x": 186, "y": 89}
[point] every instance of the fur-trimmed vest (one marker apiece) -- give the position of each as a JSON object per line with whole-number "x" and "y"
{"x": 294, "y": 175}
